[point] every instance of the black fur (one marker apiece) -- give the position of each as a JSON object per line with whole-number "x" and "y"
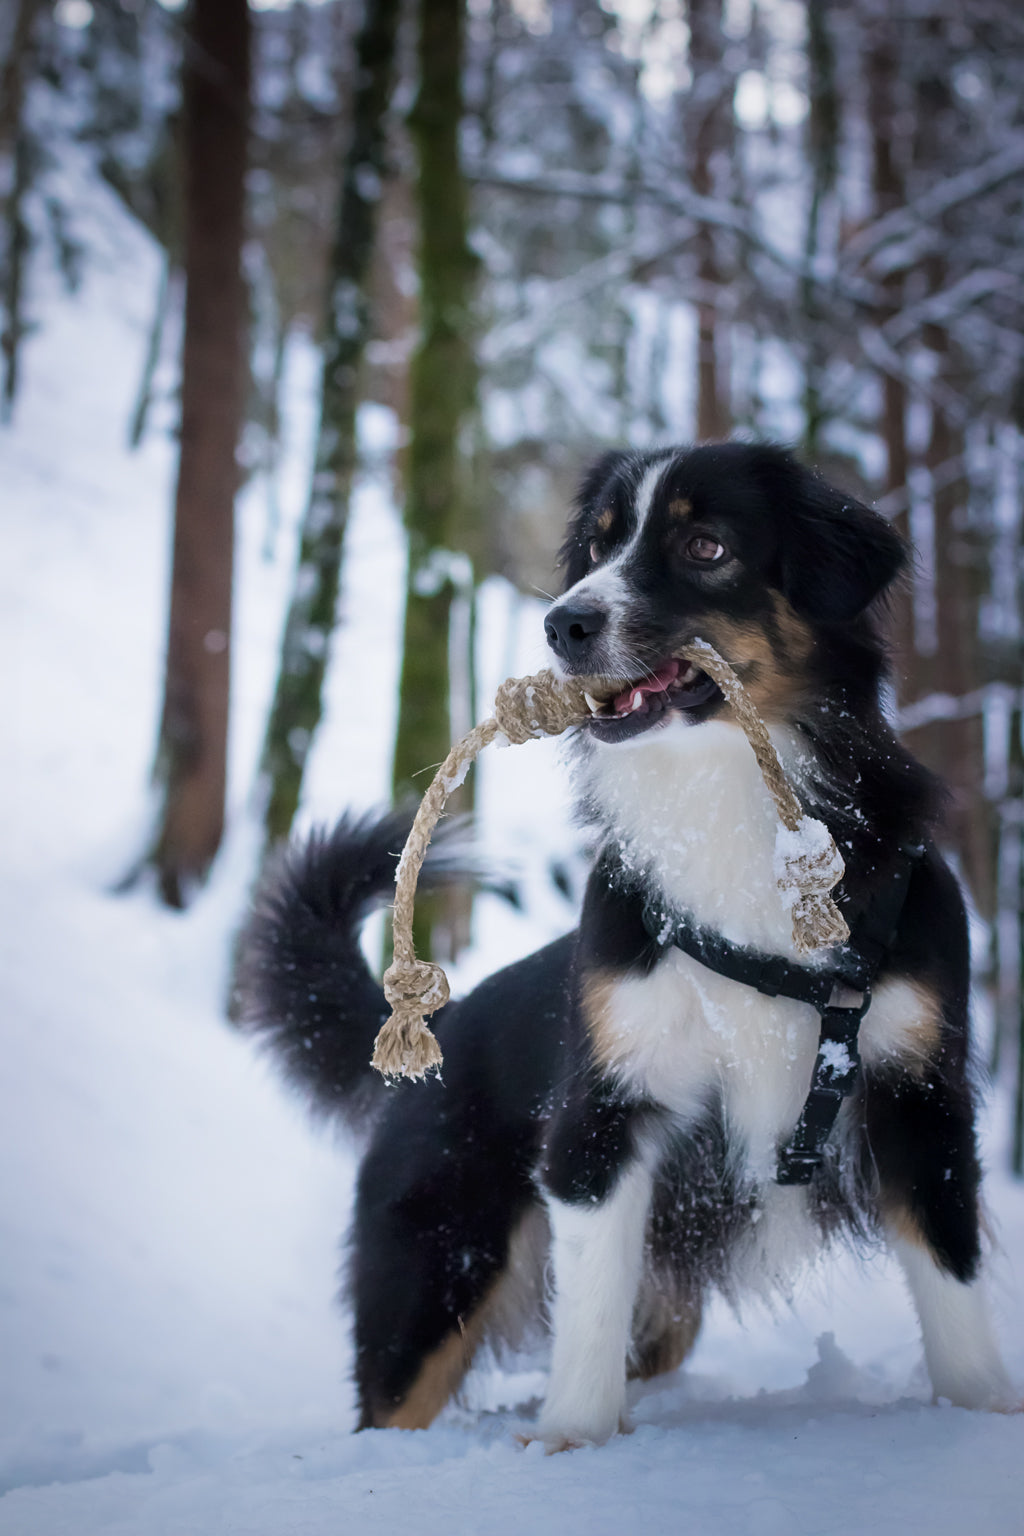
{"x": 301, "y": 977}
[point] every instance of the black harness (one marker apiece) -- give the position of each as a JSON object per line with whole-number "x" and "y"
{"x": 841, "y": 993}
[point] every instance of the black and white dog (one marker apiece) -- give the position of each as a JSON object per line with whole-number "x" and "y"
{"x": 604, "y": 1147}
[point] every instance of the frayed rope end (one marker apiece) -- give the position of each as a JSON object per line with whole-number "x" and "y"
{"x": 405, "y": 1046}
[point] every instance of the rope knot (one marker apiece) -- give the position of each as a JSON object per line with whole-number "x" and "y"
{"x": 542, "y": 705}
{"x": 405, "y": 1047}
{"x": 415, "y": 982}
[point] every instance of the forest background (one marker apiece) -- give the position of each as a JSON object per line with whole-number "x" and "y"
{"x": 531, "y": 229}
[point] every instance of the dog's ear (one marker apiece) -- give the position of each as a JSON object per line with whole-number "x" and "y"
{"x": 837, "y": 555}
{"x": 592, "y": 487}
{"x": 597, "y": 477}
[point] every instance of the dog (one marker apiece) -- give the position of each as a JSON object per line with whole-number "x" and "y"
{"x": 632, "y": 1117}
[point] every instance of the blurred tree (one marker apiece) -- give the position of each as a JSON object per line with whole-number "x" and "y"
{"x": 442, "y": 384}
{"x": 192, "y": 753}
{"x": 822, "y": 151}
{"x": 18, "y": 153}
{"x": 708, "y": 119}
{"x": 297, "y": 703}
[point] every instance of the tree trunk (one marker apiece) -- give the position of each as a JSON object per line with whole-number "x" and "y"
{"x": 953, "y": 663}
{"x": 709, "y": 117}
{"x": 296, "y": 709}
{"x": 955, "y": 748}
{"x": 1010, "y": 919}
{"x": 823, "y": 154}
{"x": 18, "y": 154}
{"x": 13, "y": 72}
{"x": 889, "y": 193}
{"x": 441, "y": 393}
{"x": 192, "y": 753}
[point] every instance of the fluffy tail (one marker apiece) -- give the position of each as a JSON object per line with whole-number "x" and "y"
{"x": 301, "y": 979}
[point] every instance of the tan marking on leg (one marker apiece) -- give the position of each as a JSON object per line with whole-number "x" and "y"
{"x": 440, "y": 1377}
{"x": 605, "y": 1043}
{"x": 900, "y": 1223}
{"x": 904, "y": 1025}
{"x": 664, "y": 1338}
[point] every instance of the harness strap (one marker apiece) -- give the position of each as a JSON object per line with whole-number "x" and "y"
{"x": 853, "y": 967}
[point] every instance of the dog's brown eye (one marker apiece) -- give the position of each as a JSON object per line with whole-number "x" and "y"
{"x": 707, "y": 551}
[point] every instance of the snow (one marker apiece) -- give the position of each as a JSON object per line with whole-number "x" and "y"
{"x": 804, "y": 853}
{"x": 173, "y": 1361}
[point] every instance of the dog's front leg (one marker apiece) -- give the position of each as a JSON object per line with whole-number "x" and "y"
{"x": 597, "y": 1255}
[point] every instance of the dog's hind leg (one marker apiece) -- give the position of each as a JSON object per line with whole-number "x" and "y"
{"x": 430, "y": 1242}
{"x": 664, "y": 1332}
{"x": 922, "y": 1138}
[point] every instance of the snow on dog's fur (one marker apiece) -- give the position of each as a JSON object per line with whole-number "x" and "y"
{"x": 615, "y": 1108}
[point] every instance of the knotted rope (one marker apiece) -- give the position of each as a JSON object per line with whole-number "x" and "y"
{"x": 808, "y": 863}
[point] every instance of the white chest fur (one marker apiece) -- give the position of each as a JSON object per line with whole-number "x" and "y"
{"x": 692, "y": 813}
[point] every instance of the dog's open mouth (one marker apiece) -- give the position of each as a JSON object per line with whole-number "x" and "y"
{"x": 674, "y": 686}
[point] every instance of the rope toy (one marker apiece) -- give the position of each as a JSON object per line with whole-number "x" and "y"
{"x": 808, "y": 864}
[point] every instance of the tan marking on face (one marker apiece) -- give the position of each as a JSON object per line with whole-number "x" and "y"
{"x": 772, "y": 667}
{"x": 605, "y": 520}
{"x": 440, "y": 1376}
{"x": 680, "y": 507}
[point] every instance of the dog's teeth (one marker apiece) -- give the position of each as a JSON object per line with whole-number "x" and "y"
{"x": 638, "y": 699}
{"x": 592, "y": 704}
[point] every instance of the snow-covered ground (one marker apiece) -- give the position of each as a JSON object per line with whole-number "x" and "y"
{"x": 171, "y": 1360}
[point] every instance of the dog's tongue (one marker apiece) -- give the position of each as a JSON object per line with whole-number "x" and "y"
{"x": 656, "y": 683}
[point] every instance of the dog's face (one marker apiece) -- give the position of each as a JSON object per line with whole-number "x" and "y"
{"x": 736, "y": 544}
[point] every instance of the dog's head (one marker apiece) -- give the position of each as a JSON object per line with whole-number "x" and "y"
{"x": 736, "y": 544}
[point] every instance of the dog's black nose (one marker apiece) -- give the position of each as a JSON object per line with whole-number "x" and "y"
{"x": 572, "y": 628}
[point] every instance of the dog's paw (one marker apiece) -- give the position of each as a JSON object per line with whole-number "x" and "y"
{"x": 553, "y": 1443}
{"x": 555, "y": 1440}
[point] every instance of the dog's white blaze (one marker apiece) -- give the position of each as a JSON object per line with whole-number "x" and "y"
{"x": 597, "y": 1257}
{"x": 956, "y": 1329}
{"x": 645, "y": 495}
{"x": 607, "y": 586}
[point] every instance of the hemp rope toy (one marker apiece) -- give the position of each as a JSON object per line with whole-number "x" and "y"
{"x": 808, "y": 865}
